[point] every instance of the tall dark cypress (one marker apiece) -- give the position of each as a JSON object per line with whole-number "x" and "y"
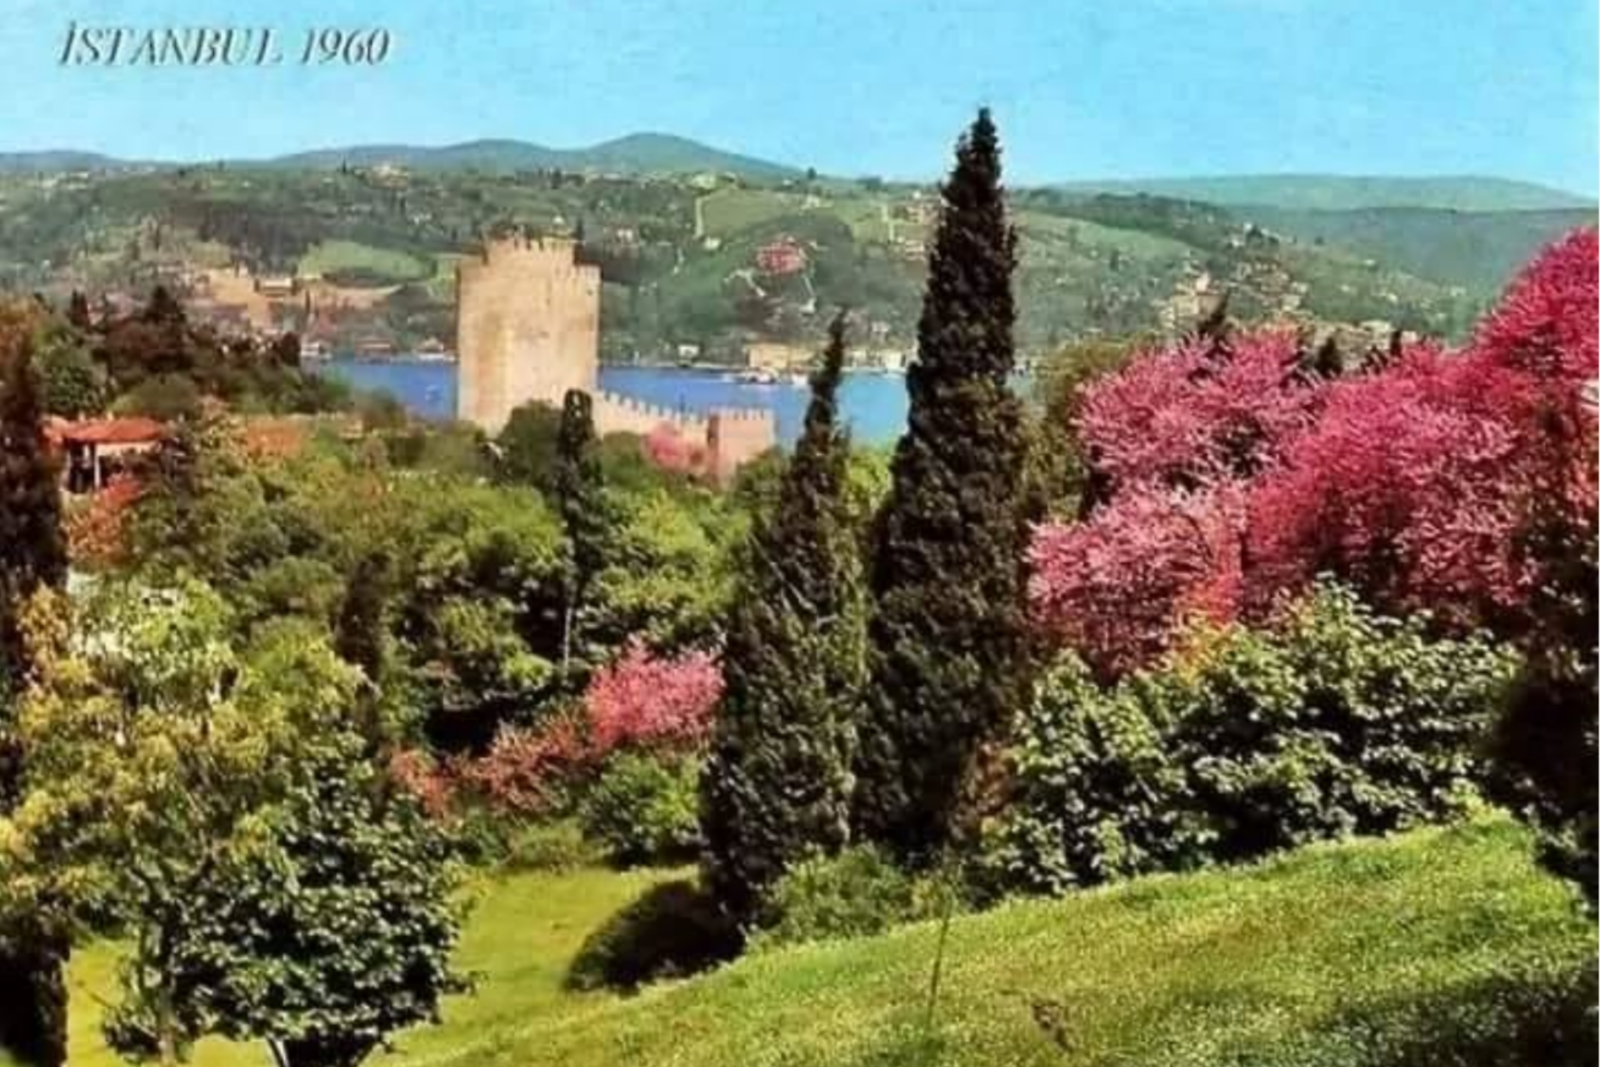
{"x": 778, "y": 784}
{"x": 33, "y": 553}
{"x": 579, "y": 488}
{"x": 948, "y": 636}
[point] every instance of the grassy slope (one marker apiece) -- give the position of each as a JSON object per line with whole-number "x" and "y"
{"x": 1222, "y": 967}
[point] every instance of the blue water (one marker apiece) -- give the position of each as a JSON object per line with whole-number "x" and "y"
{"x": 874, "y": 405}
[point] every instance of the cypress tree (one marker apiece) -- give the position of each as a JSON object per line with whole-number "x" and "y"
{"x": 778, "y": 784}
{"x": 579, "y": 487}
{"x": 948, "y": 637}
{"x": 358, "y": 634}
{"x": 33, "y": 1000}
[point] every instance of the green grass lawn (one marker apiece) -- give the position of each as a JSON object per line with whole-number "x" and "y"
{"x": 1321, "y": 957}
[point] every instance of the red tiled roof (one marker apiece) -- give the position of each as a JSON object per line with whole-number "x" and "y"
{"x": 127, "y": 431}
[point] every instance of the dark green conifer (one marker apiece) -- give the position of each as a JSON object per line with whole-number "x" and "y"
{"x": 948, "y": 636}
{"x": 778, "y": 784}
{"x": 33, "y": 553}
{"x": 359, "y": 632}
{"x": 579, "y": 488}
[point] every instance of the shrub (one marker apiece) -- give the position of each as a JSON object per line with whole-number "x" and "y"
{"x": 1097, "y": 796}
{"x": 1335, "y": 721}
{"x": 675, "y": 929}
{"x": 644, "y": 809}
{"x": 648, "y": 700}
{"x": 528, "y": 770}
{"x": 853, "y": 894}
{"x": 552, "y": 846}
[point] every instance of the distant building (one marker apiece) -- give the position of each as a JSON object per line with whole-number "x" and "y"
{"x": 277, "y": 286}
{"x": 782, "y": 256}
{"x": 776, "y": 356}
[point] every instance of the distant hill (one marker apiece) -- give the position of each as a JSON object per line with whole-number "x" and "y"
{"x": 1478, "y": 250}
{"x": 53, "y": 161}
{"x": 1331, "y": 192}
{"x": 637, "y": 153}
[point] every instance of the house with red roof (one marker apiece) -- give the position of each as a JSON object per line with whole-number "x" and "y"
{"x": 97, "y": 450}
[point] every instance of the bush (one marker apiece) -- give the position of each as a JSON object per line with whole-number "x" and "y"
{"x": 555, "y": 846}
{"x": 645, "y": 809}
{"x": 1095, "y": 791}
{"x": 1336, "y": 721}
{"x": 854, "y": 894}
{"x": 674, "y": 930}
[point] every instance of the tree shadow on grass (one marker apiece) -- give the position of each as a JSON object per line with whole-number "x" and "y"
{"x": 673, "y": 930}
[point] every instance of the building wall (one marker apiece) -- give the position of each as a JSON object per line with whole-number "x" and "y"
{"x": 527, "y": 328}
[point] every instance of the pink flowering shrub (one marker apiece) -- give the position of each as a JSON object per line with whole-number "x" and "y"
{"x": 1409, "y": 482}
{"x": 645, "y": 700}
{"x": 527, "y": 769}
{"x": 669, "y": 449}
{"x": 1119, "y": 587}
{"x": 1194, "y": 413}
{"x": 420, "y": 774}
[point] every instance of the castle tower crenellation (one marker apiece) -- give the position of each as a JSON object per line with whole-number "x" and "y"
{"x": 528, "y": 329}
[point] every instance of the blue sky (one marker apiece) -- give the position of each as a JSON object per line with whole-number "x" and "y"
{"x": 1081, "y": 88}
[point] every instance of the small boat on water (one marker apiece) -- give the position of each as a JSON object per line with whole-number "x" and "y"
{"x": 756, "y": 376}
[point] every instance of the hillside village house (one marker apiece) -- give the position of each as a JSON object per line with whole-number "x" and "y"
{"x": 97, "y": 450}
{"x": 781, "y": 256}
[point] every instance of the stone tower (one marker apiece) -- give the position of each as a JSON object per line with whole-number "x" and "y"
{"x": 527, "y": 328}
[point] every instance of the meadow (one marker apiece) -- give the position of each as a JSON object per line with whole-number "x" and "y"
{"x": 1438, "y": 946}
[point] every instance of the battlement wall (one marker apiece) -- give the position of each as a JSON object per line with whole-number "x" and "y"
{"x": 735, "y": 436}
{"x": 615, "y": 413}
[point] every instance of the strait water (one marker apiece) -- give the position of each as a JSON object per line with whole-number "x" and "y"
{"x": 874, "y": 405}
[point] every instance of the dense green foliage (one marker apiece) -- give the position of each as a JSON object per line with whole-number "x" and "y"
{"x": 856, "y": 893}
{"x": 32, "y": 555}
{"x": 948, "y": 633}
{"x": 778, "y": 783}
{"x": 1338, "y": 721}
{"x": 269, "y": 954}
{"x": 642, "y": 808}
{"x": 233, "y": 774}
{"x": 579, "y": 487}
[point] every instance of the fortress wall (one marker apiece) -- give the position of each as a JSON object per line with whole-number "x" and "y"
{"x": 614, "y": 413}
{"x": 735, "y": 436}
{"x": 527, "y": 328}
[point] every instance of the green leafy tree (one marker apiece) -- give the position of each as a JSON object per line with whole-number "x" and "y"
{"x": 360, "y": 633}
{"x": 579, "y": 490}
{"x": 170, "y": 772}
{"x": 334, "y": 932}
{"x": 779, "y": 781}
{"x": 32, "y": 555}
{"x": 528, "y": 445}
{"x": 948, "y": 637}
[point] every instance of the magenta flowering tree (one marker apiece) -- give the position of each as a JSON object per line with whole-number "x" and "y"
{"x": 1409, "y": 482}
{"x": 1118, "y": 587}
{"x": 1189, "y": 415}
{"x": 652, "y": 701}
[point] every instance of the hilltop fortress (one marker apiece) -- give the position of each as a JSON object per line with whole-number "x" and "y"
{"x": 528, "y": 328}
